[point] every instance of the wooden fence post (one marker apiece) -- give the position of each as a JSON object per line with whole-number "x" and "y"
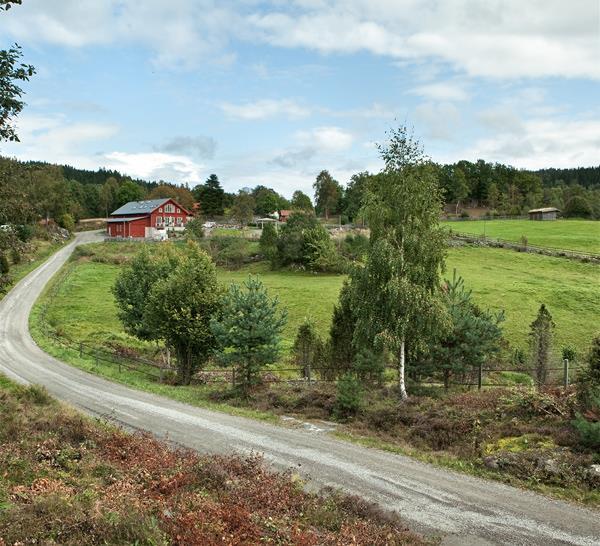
{"x": 97, "y": 358}
{"x": 565, "y": 373}
{"x": 479, "y": 377}
{"x": 80, "y": 349}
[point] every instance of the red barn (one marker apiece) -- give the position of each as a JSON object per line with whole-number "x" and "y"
{"x": 143, "y": 219}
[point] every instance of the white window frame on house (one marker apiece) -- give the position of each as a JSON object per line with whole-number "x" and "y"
{"x": 178, "y": 211}
{"x": 160, "y": 209}
{"x": 179, "y": 221}
{"x": 169, "y": 221}
{"x": 159, "y": 221}
{"x": 169, "y": 207}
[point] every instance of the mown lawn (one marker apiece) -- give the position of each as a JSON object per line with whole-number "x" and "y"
{"x": 501, "y": 279}
{"x": 583, "y": 235}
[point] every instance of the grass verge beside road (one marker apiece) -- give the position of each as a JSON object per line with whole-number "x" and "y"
{"x": 43, "y": 250}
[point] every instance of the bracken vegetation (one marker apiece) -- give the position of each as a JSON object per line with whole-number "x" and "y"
{"x": 67, "y": 479}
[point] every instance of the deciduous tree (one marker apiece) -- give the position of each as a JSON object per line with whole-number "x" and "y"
{"x": 301, "y": 201}
{"x": 180, "y": 308}
{"x": 396, "y": 292}
{"x": 327, "y": 193}
{"x": 243, "y": 207}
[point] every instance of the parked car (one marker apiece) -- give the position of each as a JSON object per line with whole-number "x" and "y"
{"x": 209, "y": 225}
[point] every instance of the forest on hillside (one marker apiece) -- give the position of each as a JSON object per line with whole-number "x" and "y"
{"x": 31, "y": 190}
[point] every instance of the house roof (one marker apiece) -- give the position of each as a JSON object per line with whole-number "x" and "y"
{"x": 140, "y": 207}
{"x": 546, "y": 209}
{"x": 125, "y": 219}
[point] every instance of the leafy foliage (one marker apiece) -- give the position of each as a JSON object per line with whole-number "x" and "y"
{"x": 194, "y": 229}
{"x": 292, "y": 246}
{"x": 248, "y": 330}
{"x": 180, "y": 194}
{"x": 327, "y": 194}
{"x": 268, "y": 242}
{"x": 4, "y": 264}
{"x": 320, "y": 251}
{"x": 395, "y": 293}
{"x": 180, "y": 307}
{"x": 267, "y": 201}
{"x": 67, "y": 222}
{"x": 243, "y": 207}
{"x": 12, "y": 71}
{"x": 301, "y": 201}
{"x": 134, "y": 284}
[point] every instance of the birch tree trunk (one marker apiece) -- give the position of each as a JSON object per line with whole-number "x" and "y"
{"x": 401, "y": 368}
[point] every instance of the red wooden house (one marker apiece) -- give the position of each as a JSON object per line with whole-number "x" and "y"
{"x": 144, "y": 219}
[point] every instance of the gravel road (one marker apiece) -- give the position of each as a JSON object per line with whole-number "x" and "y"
{"x": 462, "y": 509}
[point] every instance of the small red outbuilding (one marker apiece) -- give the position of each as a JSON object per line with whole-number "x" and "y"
{"x": 143, "y": 219}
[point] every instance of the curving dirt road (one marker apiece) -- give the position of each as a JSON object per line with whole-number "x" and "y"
{"x": 465, "y": 510}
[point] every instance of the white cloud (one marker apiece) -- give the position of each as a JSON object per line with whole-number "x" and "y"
{"x": 504, "y": 39}
{"x": 326, "y": 139}
{"x": 263, "y": 109}
{"x": 439, "y": 120}
{"x": 500, "y": 38}
{"x": 542, "y": 143}
{"x": 155, "y": 166}
{"x": 178, "y": 35}
{"x": 445, "y": 91}
{"x": 55, "y": 139}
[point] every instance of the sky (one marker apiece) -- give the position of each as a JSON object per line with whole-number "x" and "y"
{"x": 272, "y": 92}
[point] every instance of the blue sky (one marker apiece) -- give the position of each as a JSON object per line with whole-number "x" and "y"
{"x": 272, "y": 92}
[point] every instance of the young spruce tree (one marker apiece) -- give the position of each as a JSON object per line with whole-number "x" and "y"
{"x": 248, "y": 331}
{"x": 540, "y": 337}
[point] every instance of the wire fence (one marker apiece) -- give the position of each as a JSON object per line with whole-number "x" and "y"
{"x": 560, "y": 373}
{"x": 525, "y": 246}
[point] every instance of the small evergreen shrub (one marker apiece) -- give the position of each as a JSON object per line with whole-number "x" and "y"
{"x": 349, "y": 397}
{"x": 15, "y": 256}
{"x": 67, "y": 222}
{"x": 589, "y": 431}
{"x": 194, "y": 229}
{"x": 4, "y": 265}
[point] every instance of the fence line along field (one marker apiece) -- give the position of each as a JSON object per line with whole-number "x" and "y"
{"x": 581, "y": 235}
{"x": 501, "y": 279}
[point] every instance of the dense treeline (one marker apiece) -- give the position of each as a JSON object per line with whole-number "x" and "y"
{"x": 33, "y": 190}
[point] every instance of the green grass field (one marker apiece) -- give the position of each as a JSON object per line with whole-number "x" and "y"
{"x": 582, "y": 235}
{"x": 501, "y": 279}
{"x": 43, "y": 250}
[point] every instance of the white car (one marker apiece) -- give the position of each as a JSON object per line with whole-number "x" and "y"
{"x": 209, "y": 225}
